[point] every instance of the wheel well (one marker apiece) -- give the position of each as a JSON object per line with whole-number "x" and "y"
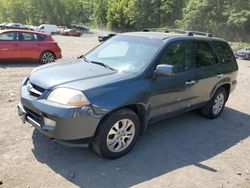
{"x": 139, "y": 109}
{"x": 141, "y": 112}
{"x": 227, "y": 87}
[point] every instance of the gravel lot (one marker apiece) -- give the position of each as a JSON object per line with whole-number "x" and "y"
{"x": 185, "y": 151}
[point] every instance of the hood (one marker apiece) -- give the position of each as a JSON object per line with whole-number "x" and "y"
{"x": 74, "y": 71}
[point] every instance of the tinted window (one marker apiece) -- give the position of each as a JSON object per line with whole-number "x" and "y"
{"x": 224, "y": 51}
{"x": 26, "y": 36}
{"x": 9, "y": 36}
{"x": 177, "y": 55}
{"x": 30, "y": 37}
{"x": 39, "y": 37}
{"x": 203, "y": 54}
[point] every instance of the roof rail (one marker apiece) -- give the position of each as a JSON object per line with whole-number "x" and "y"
{"x": 200, "y": 33}
{"x": 188, "y": 33}
{"x": 160, "y": 29}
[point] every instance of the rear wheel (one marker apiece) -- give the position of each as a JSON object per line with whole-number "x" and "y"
{"x": 117, "y": 134}
{"x": 47, "y": 57}
{"x": 216, "y": 105}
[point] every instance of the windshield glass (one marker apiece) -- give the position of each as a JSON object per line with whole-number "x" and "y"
{"x": 125, "y": 53}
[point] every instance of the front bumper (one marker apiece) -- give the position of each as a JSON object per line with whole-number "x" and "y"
{"x": 71, "y": 123}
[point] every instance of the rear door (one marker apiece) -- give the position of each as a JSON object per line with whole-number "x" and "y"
{"x": 228, "y": 62}
{"x": 30, "y": 47}
{"x": 207, "y": 71}
{"x": 9, "y": 47}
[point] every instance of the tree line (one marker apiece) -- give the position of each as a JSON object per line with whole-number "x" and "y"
{"x": 229, "y": 19}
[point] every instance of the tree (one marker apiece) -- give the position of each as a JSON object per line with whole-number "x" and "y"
{"x": 120, "y": 14}
{"x": 227, "y": 19}
{"x": 100, "y": 12}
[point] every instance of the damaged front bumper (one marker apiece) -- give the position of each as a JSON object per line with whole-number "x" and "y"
{"x": 58, "y": 121}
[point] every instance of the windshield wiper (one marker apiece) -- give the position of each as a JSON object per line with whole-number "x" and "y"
{"x": 98, "y": 63}
{"x": 84, "y": 58}
{"x": 102, "y": 64}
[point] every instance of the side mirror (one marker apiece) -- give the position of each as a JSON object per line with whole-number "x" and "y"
{"x": 164, "y": 70}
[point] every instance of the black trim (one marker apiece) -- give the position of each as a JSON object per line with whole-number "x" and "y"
{"x": 75, "y": 143}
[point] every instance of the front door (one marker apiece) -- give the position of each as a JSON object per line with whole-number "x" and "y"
{"x": 9, "y": 47}
{"x": 172, "y": 94}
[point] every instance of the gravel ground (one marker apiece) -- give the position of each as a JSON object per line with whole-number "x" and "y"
{"x": 185, "y": 151}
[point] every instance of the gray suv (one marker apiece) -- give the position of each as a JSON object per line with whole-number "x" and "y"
{"x": 109, "y": 96}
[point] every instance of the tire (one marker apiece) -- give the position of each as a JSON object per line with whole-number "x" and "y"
{"x": 46, "y": 57}
{"x": 117, "y": 134}
{"x": 216, "y": 105}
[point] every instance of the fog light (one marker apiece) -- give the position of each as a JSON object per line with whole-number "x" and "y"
{"x": 49, "y": 124}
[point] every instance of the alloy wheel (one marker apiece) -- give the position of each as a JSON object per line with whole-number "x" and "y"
{"x": 218, "y": 103}
{"x": 47, "y": 57}
{"x": 120, "y": 135}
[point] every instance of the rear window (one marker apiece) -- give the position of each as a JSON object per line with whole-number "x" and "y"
{"x": 224, "y": 51}
{"x": 23, "y": 36}
{"x": 26, "y": 36}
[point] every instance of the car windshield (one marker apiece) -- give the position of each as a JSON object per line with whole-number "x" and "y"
{"x": 125, "y": 53}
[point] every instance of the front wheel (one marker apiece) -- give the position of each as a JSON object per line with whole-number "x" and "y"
{"x": 117, "y": 134}
{"x": 216, "y": 105}
{"x": 47, "y": 57}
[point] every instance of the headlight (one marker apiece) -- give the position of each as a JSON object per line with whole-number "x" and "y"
{"x": 70, "y": 97}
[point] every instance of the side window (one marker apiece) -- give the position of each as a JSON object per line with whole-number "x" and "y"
{"x": 9, "y": 36}
{"x": 203, "y": 54}
{"x": 177, "y": 55}
{"x": 224, "y": 51}
{"x": 26, "y": 37}
{"x": 39, "y": 37}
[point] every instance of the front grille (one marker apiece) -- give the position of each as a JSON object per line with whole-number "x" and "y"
{"x": 34, "y": 90}
{"x": 33, "y": 115}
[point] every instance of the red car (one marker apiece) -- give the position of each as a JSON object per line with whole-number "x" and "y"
{"x": 22, "y": 45}
{"x": 71, "y": 32}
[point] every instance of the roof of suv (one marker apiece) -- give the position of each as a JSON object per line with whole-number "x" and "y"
{"x": 163, "y": 36}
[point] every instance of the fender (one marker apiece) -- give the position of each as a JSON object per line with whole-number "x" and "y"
{"x": 224, "y": 81}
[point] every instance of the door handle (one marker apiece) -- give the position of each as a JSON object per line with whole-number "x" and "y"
{"x": 220, "y": 75}
{"x": 190, "y": 82}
